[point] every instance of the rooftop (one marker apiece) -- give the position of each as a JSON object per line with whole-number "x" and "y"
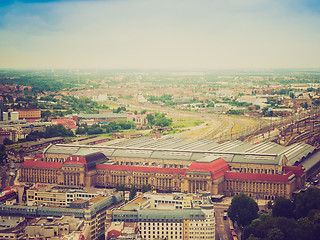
{"x": 174, "y": 149}
{"x": 260, "y": 177}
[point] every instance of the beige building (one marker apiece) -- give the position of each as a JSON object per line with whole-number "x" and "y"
{"x": 12, "y": 227}
{"x": 264, "y": 171}
{"x": 65, "y": 227}
{"x": 29, "y": 114}
{"x": 165, "y": 216}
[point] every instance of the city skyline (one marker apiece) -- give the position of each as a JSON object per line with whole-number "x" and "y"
{"x": 160, "y": 34}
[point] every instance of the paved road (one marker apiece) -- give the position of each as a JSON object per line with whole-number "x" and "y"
{"x": 222, "y": 226}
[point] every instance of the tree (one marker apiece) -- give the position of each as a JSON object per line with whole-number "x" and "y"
{"x": 243, "y": 209}
{"x": 252, "y": 237}
{"x": 305, "y": 202}
{"x": 133, "y": 192}
{"x": 275, "y": 234}
{"x": 162, "y": 121}
{"x": 150, "y": 119}
{"x": 3, "y": 155}
{"x": 120, "y": 187}
{"x": 146, "y": 188}
{"x": 282, "y": 207}
{"x": 307, "y": 228}
{"x": 292, "y": 95}
{"x": 57, "y": 131}
{"x": 7, "y": 141}
{"x": 289, "y": 227}
{"x": 269, "y": 205}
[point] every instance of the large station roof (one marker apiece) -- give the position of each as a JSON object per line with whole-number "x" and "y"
{"x": 170, "y": 148}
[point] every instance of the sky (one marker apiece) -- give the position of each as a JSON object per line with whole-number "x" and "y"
{"x": 160, "y": 34}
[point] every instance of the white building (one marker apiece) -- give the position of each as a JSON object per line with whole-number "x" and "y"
{"x": 171, "y": 216}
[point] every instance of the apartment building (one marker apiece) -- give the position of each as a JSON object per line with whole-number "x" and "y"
{"x": 171, "y": 220}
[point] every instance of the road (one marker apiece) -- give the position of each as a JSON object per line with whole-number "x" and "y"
{"x": 222, "y": 226}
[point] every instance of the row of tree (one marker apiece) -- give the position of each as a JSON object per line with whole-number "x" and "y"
{"x": 159, "y": 119}
{"x": 105, "y": 128}
{"x": 290, "y": 219}
{"x": 50, "y": 131}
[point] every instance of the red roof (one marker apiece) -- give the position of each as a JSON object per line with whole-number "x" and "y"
{"x": 76, "y": 160}
{"x": 217, "y": 168}
{"x": 113, "y": 234}
{"x": 259, "y": 177}
{"x": 68, "y": 123}
{"x": 41, "y": 164}
{"x": 38, "y": 156}
{"x": 141, "y": 169}
{"x": 297, "y": 170}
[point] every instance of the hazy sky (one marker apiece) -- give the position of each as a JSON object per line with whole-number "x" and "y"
{"x": 182, "y": 34}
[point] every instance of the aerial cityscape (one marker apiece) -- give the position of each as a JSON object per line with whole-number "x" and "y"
{"x": 159, "y": 119}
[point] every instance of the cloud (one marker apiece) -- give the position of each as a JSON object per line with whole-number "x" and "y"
{"x": 159, "y": 34}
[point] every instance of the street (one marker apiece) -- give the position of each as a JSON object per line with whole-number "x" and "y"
{"x": 222, "y": 226}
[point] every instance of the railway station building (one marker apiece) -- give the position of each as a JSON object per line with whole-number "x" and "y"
{"x": 265, "y": 170}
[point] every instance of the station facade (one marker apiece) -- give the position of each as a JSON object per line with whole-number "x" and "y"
{"x": 264, "y": 177}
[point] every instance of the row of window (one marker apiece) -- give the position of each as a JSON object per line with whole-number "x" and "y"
{"x": 158, "y": 224}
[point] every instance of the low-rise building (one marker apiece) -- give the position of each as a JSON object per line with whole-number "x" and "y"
{"x": 65, "y": 227}
{"x": 12, "y": 227}
{"x": 30, "y": 115}
{"x": 95, "y": 213}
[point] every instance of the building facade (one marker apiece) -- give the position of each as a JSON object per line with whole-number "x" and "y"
{"x": 263, "y": 170}
{"x": 30, "y": 115}
{"x": 95, "y": 213}
{"x": 214, "y": 176}
{"x": 193, "y": 219}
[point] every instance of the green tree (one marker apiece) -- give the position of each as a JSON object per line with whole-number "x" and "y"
{"x": 252, "y": 237}
{"x": 307, "y": 228}
{"x": 133, "y": 192}
{"x": 150, "y": 119}
{"x": 162, "y": 121}
{"x": 57, "y": 131}
{"x": 307, "y": 201}
{"x": 269, "y": 205}
{"x": 289, "y": 227}
{"x": 7, "y": 141}
{"x": 120, "y": 187}
{"x": 243, "y": 209}
{"x": 275, "y": 234}
{"x": 146, "y": 188}
{"x": 3, "y": 155}
{"x": 282, "y": 207}
{"x": 126, "y": 124}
